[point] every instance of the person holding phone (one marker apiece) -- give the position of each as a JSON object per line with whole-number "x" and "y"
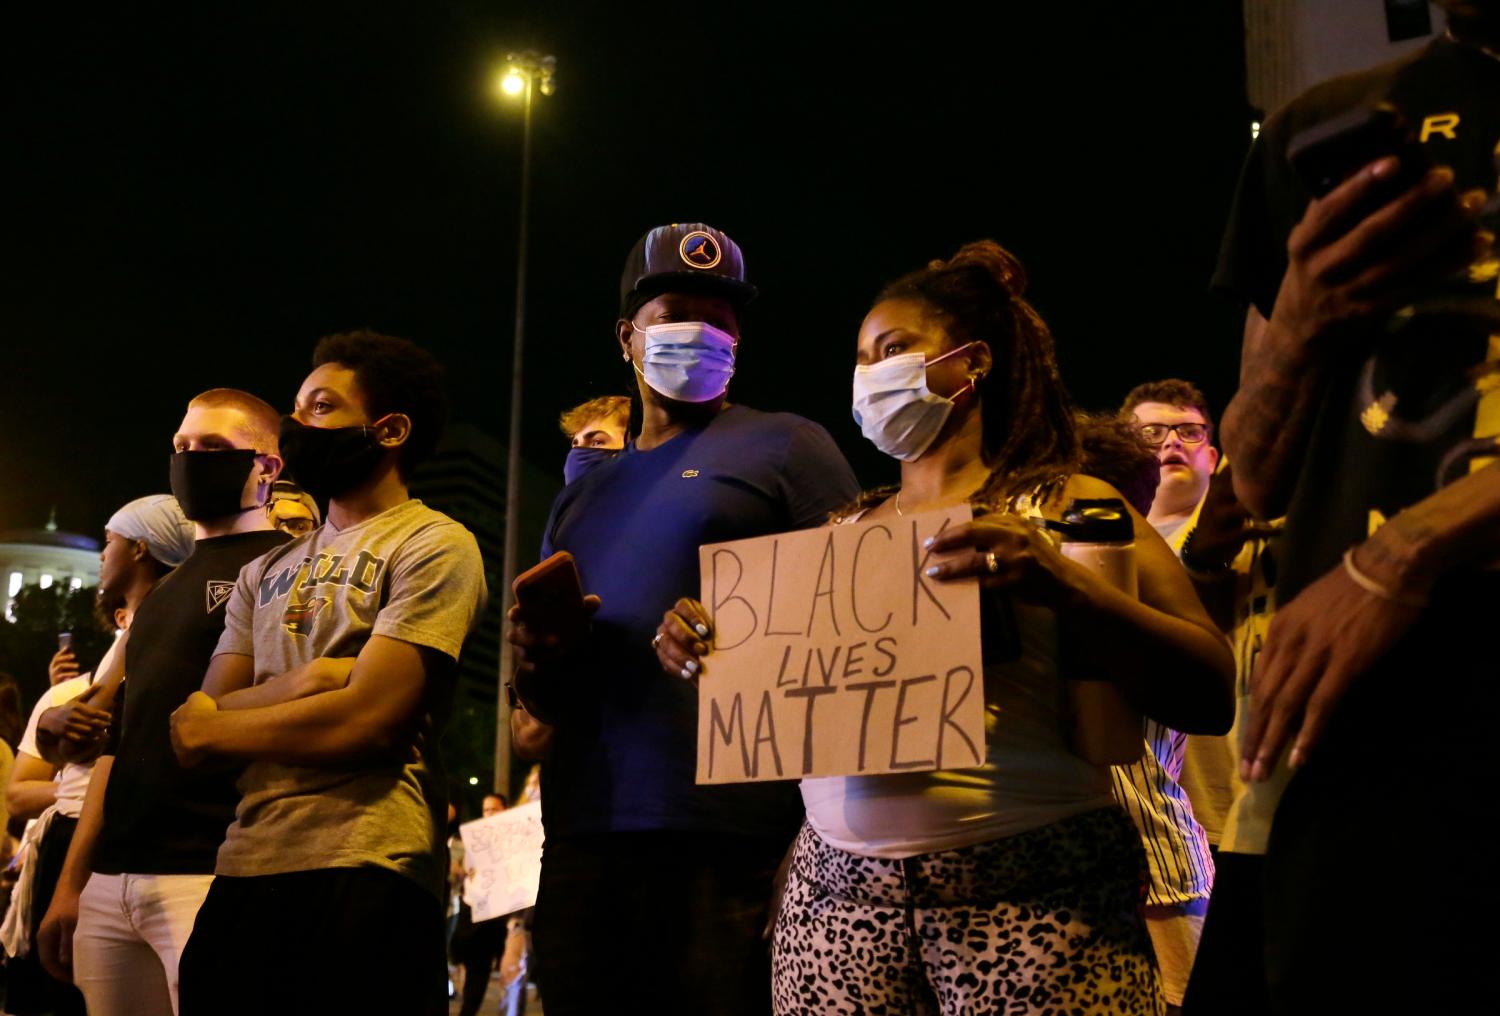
{"x": 1014, "y": 886}
{"x": 143, "y": 542}
{"x": 680, "y": 874}
{"x": 1368, "y": 416}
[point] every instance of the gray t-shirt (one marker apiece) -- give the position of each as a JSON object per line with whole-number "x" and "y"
{"x": 409, "y": 573}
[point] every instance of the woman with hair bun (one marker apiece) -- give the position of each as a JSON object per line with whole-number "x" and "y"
{"x": 1013, "y": 887}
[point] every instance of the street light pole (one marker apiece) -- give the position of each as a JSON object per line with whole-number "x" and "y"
{"x": 531, "y": 71}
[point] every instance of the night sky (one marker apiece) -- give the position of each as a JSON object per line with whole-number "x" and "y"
{"x": 193, "y": 196}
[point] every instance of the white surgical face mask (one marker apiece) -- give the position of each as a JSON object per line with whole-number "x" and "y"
{"x": 687, "y": 361}
{"x": 893, "y": 407}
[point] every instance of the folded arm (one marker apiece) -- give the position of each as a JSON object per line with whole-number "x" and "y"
{"x": 230, "y": 678}
{"x": 76, "y": 731}
{"x": 373, "y": 715}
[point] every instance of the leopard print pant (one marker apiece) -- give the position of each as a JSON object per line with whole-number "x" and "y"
{"x": 1046, "y": 922}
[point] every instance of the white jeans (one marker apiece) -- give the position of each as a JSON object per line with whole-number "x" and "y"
{"x": 130, "y": 935}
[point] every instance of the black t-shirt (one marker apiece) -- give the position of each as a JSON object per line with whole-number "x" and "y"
{"x": 1419, "y": 407}
{"x": 158, "y": 817}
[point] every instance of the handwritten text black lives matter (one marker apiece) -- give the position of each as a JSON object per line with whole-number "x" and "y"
{"x": 835, "y": 655}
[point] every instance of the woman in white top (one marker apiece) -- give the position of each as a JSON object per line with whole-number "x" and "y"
{"x": 1013, "y": 887}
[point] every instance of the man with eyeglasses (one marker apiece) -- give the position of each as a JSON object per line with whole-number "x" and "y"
{"x": 1172, "y": 416}
{"x": 1232, "y": 564}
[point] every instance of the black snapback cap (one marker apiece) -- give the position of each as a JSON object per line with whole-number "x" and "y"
{"x": 683, "y": 257}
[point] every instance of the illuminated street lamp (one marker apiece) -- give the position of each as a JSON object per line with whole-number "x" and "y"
{"x": 525, "y": 73}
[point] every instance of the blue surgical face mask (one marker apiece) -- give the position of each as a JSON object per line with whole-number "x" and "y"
{"x": 893, "y": 407}
{"x": 687, "y": 361}
{"x": 581, "y": 461}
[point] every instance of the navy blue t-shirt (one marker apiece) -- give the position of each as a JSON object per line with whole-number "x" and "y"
{"x": 626, "y": 759}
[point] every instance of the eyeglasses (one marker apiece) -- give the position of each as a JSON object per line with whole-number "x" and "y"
{"x": 1188, "y": 433}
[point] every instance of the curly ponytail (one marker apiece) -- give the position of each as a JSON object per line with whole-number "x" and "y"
{"x": 1030, "y": 442}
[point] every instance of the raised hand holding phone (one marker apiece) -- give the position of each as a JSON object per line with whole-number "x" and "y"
{"x": 64, "y": 664}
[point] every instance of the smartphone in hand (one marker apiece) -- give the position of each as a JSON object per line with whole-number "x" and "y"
{"x": 1326, "y": 155}
{"x": 550, "y": 595}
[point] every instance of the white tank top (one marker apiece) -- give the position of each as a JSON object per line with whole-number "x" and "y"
{"x": 1030, "y": 777}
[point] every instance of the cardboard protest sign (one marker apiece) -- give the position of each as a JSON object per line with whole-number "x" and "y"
{"x": 835, "y": 655}
{"x": 504, "y": 852}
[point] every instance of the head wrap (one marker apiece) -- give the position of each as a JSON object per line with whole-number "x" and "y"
{"x": 158, "y": 522}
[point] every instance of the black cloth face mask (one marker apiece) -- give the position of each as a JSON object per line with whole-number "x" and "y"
{"x": 210, "y": 485}
{"x": 329, "y": 461}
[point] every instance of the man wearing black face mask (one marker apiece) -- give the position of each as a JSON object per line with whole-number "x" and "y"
{"x": 685, "y": 872}
{"x": 143, "y": 855}
{"x": 330, "y": 878}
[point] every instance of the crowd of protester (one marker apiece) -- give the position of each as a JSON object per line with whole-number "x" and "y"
{"x": 242, "y": 808}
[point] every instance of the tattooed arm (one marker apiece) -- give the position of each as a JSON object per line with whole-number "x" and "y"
{"x": 1359, "y": 253}
{"x": 1267, "y": 425}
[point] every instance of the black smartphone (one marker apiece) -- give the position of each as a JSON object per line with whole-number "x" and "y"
{"x": 1326, "y": 155}
{"x": 64, "y": 640}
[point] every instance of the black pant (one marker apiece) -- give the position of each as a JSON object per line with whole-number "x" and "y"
{"x": 670, "y": 920}
{"x": 1229, "y": 971}
{"x": 30, "y": 989}
{"x": 476, "y": 947}
{"x": 1380, "y": 879}
{"x": 347, "y": 940}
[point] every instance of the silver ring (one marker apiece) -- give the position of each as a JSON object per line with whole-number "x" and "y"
{"x": 991, "y": 562}
{"x": 657, "y": 640}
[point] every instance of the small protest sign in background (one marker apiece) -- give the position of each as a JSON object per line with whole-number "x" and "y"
{"x": 835, "y": 655}
{"x": 504, "y": 852}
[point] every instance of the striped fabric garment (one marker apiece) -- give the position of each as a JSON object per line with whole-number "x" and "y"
{"x": 1176, "y": 846}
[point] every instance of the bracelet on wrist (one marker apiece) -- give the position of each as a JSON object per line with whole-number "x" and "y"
{"x": 1201, "y": 570}
{"x": 1379, "y": 589}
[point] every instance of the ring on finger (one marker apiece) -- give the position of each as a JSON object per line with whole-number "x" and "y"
{"x": 656, "y": 641}
{"x": 991, "y": 561}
